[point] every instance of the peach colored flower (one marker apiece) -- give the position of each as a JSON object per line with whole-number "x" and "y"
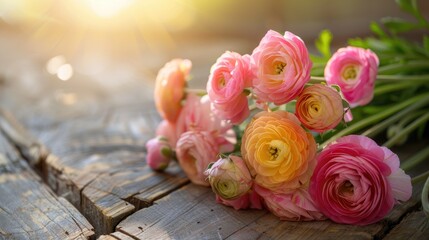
{"x": 169, "y": 88}
{"x": 281, "y": 65}
{"x": 355, "y": 71}
{"x": 229, "y": 177}
{"x": 195, "y": 151}
{"x": 278, "y": 151}
{"x": 294, "y": 206}
{"x": 319, "y": 108}
{"x": 229, "y": 76}
{"x": 159, "y": 153}
{"x": 357, "y": 182}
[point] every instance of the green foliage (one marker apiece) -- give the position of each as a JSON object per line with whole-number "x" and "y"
{"x": 403, "y": 71}
{"x": 323, "y": 45}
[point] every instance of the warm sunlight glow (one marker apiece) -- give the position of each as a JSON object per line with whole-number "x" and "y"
{"x": 108, "y": 8}
{"x": 65, "y": 72}
{"x": 55, "y": 63}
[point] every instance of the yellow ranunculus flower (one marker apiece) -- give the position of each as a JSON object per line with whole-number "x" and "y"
{"x": 278, "y": 151}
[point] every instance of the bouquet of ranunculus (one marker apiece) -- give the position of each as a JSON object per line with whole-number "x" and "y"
{"x": 257, "y": 135}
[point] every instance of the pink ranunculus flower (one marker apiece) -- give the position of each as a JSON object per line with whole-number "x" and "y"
{"x": 357, "y": 182}
{"x": 195, "y": 151}
{"x": 196, "y": 115}
{"x": 229, "y": 76}
{"x": 281, "y": 65}
{"x": 167, "y": 130}
{"x": 159, "y": 153}
{"x": 229, "y": 177}
{"x": 294, "y": 206}
{"x": 319, "y": 108}
{"x": 170, "y": 88}
{"x": 249, "y": 200}
{"x": 354, "y": 70}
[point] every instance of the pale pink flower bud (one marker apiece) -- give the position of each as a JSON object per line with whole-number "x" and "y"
{"x": 281, "y": 66}
{"x": 159, "y": 153}
{"x": 354, "y": 70}
{"x": 229, "y": 177}
{"x": 168, "y": 130}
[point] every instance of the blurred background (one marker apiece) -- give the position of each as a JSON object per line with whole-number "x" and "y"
{"x": 91, "y": 45}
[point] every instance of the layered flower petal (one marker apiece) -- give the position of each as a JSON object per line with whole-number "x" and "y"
{"x": 354, "y": 70}
{"x": 358, "y": 182}
{"x": 294, "y": 206}
{"x": 278, "y": 151}
{"x": 281, "y": 66}
{"x": 229, "y": 76}
{"x": 195, "y": 151}
{"x": 319, "y": 108}
{"x": 170, "y": 88}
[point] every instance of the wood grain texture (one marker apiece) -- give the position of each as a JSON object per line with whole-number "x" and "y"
{"x": 28, "y": 208}
{"x": 97, "y": 162}
{"x": 192, "y": 213}
{"x": 189, "y": 213}
{"x": 414, "y": 226}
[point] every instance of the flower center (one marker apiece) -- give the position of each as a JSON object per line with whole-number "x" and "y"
{"x": 222, "y": 82}
{"x": 315, "y": 108}
{"x": 227, "y": 189}
{"x": 349, "y": 73}
{"x": 346, "y": 189}
{"x": 277, "y": 150}
{"x": 278, "y": 67}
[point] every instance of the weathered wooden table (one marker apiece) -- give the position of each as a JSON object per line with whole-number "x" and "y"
{"x": 72, "y": 165}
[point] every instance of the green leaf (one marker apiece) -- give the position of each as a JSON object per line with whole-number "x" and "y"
{"x": 426, "y": 43}
{"x": 407, "y": 6}
{"x": 210, "y": 165}
{"x": 166, "y": 152}
{"x": 397, "y": 25}
{"x": 377, "y": 30}
{"x": 323, "y": 43}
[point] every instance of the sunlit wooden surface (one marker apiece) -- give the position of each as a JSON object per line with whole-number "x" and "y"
{"x": 76, "y": 108}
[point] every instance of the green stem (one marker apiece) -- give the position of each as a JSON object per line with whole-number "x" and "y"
{"x": 420, "y": 178}
{"x": 315, "y": 80}
{"x": 401, "y": 67}
{"x": 414, "y": 78}
{"x": 378, "y": 128}
{"x": 415, "y": 124}
{"x": 415, "y": 160}
{"x": 201, "y": 92}
{"x": 407, "y": 119}
{"x": 391, "y": 88}
{"x": 375, "y": 118}
{"x": 425, "y": 201}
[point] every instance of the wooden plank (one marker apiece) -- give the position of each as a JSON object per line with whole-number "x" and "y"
{"x": 202, "y": 218}
{"x": 28, "y": 208}
{"x": 97, "y": 163}
{"x": 190, "y": 212}
{"x": 414, "y": 226}
{"x": 33, "y": 151}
